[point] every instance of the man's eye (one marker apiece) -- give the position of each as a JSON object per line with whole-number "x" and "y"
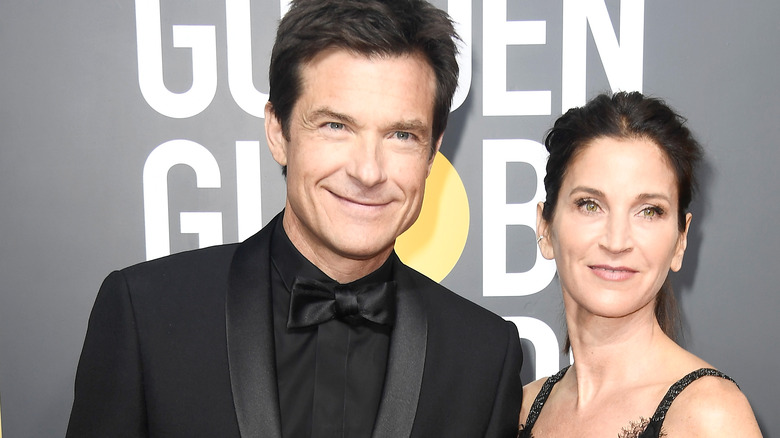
{"x": 403, "y": 135}
{"x": 335, "y": 125}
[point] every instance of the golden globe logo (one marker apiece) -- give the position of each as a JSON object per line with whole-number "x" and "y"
{"x": 435, "y": 242}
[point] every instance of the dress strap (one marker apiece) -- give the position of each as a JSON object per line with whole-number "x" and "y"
{"x": 678, "y": 387}
{"x": 541, "y": 398}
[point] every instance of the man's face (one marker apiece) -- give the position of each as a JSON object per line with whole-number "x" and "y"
{"x": 358, "y": 153}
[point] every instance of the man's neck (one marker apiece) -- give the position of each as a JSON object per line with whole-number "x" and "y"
{"x": 342, "y": 268}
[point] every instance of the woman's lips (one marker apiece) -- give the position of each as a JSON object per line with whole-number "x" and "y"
{"x": 613, "y": 273}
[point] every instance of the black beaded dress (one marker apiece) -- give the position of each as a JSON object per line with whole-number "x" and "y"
{"x": 644, "y": 428}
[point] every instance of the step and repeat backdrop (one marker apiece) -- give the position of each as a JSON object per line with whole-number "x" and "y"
{"x": 130, "y": 130}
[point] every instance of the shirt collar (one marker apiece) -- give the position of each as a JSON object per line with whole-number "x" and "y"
{"x": 290, "y": 263}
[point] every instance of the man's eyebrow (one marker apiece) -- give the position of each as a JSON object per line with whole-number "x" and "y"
{"x": 409, "y": 125}
{"x": 327, "y": 113}
{"x": 414, "y": 125}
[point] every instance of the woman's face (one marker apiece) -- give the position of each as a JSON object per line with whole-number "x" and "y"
{"x": 614, "y": 235}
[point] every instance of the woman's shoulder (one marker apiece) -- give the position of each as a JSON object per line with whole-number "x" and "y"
{"x": 531, "y": 392}
{"x": 532, "y": 389}
{"x": 711, "y": 405}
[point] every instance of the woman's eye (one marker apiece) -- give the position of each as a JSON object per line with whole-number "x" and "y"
{"x": 587, "y": 205}
{"x": 590, "y": 206}
{"x": 651, "y": 212}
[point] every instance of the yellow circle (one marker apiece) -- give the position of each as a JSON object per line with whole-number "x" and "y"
{"x": 435, "y": 242}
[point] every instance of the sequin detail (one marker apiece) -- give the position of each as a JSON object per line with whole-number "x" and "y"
{"x": 536, "y": 407}
{"x": 643, "y": 428}
{"x": 635, "y": 428}
{"x": 654, "y": 428}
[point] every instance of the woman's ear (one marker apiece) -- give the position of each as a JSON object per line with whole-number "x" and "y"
{"x": 543, "y": 233}
{"x": 682, "y": 244}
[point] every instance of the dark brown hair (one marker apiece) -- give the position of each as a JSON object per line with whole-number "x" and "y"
{"x": 370, "y": 28}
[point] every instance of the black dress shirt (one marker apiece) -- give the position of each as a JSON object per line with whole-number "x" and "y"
{"x": 331, "y": 375}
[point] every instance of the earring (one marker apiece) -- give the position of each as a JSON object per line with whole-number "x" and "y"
{"x": 539, "y": 239}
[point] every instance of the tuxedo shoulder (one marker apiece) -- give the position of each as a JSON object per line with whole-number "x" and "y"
{"x": 195, "y": 261}
{"x": 187, "y": 273}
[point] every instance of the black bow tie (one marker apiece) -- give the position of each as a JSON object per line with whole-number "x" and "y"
{"x": 313, "y": 302}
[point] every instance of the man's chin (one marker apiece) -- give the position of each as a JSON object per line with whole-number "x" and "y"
{"x": 363, "y": 249}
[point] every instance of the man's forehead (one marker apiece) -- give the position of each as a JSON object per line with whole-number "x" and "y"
{"x": 336, "y": 83}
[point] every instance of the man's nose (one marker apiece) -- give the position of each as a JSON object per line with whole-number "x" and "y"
{"x": 367, "y": 162}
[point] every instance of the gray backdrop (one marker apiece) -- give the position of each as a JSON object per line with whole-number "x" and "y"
{"x": 83, "y": 107}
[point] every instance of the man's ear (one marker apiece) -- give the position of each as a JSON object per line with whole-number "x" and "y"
{"x": 543, "y": 233}
{"x": 274, "y": 135}
{"x": 433, "y": 154}
{"x": 682, "y": 244}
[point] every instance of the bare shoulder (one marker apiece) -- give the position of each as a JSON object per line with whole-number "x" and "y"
{"x": 711, "y": 407}
{"x": 530, "y": 391}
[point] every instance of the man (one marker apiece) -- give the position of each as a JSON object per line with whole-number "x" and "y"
{"x": 313, "y": 327}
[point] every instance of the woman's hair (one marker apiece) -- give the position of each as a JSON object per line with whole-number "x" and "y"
{"x": 626, "y": 116}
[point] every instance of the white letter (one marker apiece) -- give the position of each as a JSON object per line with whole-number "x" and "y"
{"x": 284, "y": 6}
{"x": 544, "y": 340}
{"x": 155, "y": 181}
{"x": 497, "y": 214}
{"x": 201, "y": 39}
{"x": 239, "y": 56}
{"x": 622, "y": 62}
{"x": 206, "y": 224}
{"x": 460, "y": 12}
{"x": 250, "y": 213}
{"x": 499, "y": 33}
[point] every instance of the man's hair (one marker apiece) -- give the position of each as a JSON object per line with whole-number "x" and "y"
{"x": 369, "y": 28}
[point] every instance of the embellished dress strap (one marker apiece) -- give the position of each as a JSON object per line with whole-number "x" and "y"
{"x": 536, "y": 407}
{"x": 657, "y": 420}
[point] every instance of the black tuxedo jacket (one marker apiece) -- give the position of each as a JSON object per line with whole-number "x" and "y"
{"x": 183, "y": 346}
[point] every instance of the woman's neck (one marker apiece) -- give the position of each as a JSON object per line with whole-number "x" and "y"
{"x": 612, "y": 353}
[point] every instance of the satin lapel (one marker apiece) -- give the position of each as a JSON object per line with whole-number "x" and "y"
{"x": 250, "y": 339}
{"x": 406, "y": 360}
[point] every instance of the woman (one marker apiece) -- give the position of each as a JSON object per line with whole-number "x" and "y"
{"x": 619, "y": 181}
